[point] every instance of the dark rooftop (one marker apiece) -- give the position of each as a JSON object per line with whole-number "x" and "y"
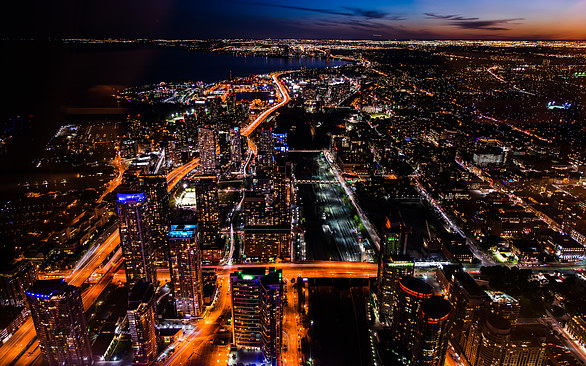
{"x": 436, "y": 307}
{"x": 468, "y": 283}
{"x": 8, "y": 314}
{"x": 46, "y": 288}
{"x": 416, "y": 285}
{"x": 498, "y": 324}
{"x": 142, "y": 292}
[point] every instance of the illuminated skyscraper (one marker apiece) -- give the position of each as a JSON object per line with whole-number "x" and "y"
{"x": 223, "y": 139}
{"x": 155, "y": 188}
{"x": 468, "y": 299}
{"x": 528, "y": 345}
{"x": 206, "y": 144}
{"x": 135, "y": 237}
{"x": 186, "y": 276}
{"x": 141, "y": 321}
{"x": 492, "y": 339}
{"x": 266, "y": 243}
{"x": 266, "y": 148}
{"x": 394, "y": 238}
{"x": 411, "y": 294}
{"x": 271, "y": 312}
{"x": 280, "y": 145}
{"x": 245, "y": 288}
{"x": 267, "y": 142}
{"x": 235, "y": 147}
{"x": 391, "y": 269}
{"x": 432, "y": 332}
{"x": 282, "y": 192}
{"x": 57, "y": 312}
{"x": 257, "y": 310}
{"x": 208, "y": 216}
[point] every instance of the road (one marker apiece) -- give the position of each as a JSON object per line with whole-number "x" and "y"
{"x": 17, "y": 348}
{"x": 188, "y": 349}
{"x": 117, "y": 162}
{"x": 490, "y": 71}
{"x": 566, "y": 339}
{"x": 179, "y": 173}
{"x": 246, "y": 131}
{"x": 292, "y": 329}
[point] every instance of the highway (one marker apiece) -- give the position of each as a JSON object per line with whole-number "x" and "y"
{"x": 17, "y": 348}
{"x": 117, "y": 162}
{"x": 189, "y": 348}
{"x": 293, "y": 331}
{"x": 246, "y": 131}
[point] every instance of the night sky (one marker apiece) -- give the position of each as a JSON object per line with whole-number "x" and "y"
{"x": 340, "y": 19}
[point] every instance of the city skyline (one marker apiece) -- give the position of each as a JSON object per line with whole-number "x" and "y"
{"x": 288, "y": 184}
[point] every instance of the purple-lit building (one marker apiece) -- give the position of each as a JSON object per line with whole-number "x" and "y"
{"x": 57, "y": 311}
{"x": 135, "y": 237}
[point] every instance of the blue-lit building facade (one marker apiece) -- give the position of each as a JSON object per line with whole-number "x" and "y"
{"x": 135, "y": 237}
{"x": 185, "y": 270}
{"x": 58, "y": 315}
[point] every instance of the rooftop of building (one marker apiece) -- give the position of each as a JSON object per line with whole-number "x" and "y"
{"x": 415, "y": 286}
{"x": 267, "y": 228}
{"x": 468, "y": 284}
{"x": 450, "y": 270}
{"x": 182, "y": 231}
{"x": 170, "y": 331}
{"x": 436, "y": 308}
{"x": 46, "y": 288}
{"x": 398, "y": 260}
{"x": 127, "y": 194}
{"x": 250, "y": 273}
{"x": 498, "y": 324}
{"x": 530, "y": 334}
{"x": 500, "y": 297}
{"x": 142, "y": 292}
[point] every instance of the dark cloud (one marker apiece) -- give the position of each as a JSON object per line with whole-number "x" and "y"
{"x": 313, "y": 10}
{"x": 351, "y": 23}
{"x": 450, "y": 17}
{"x": 473, "y": 23}
{"x": 493, "y": 25}
{"x": 372, "y": 14}
{"x": 344, "y": 11}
